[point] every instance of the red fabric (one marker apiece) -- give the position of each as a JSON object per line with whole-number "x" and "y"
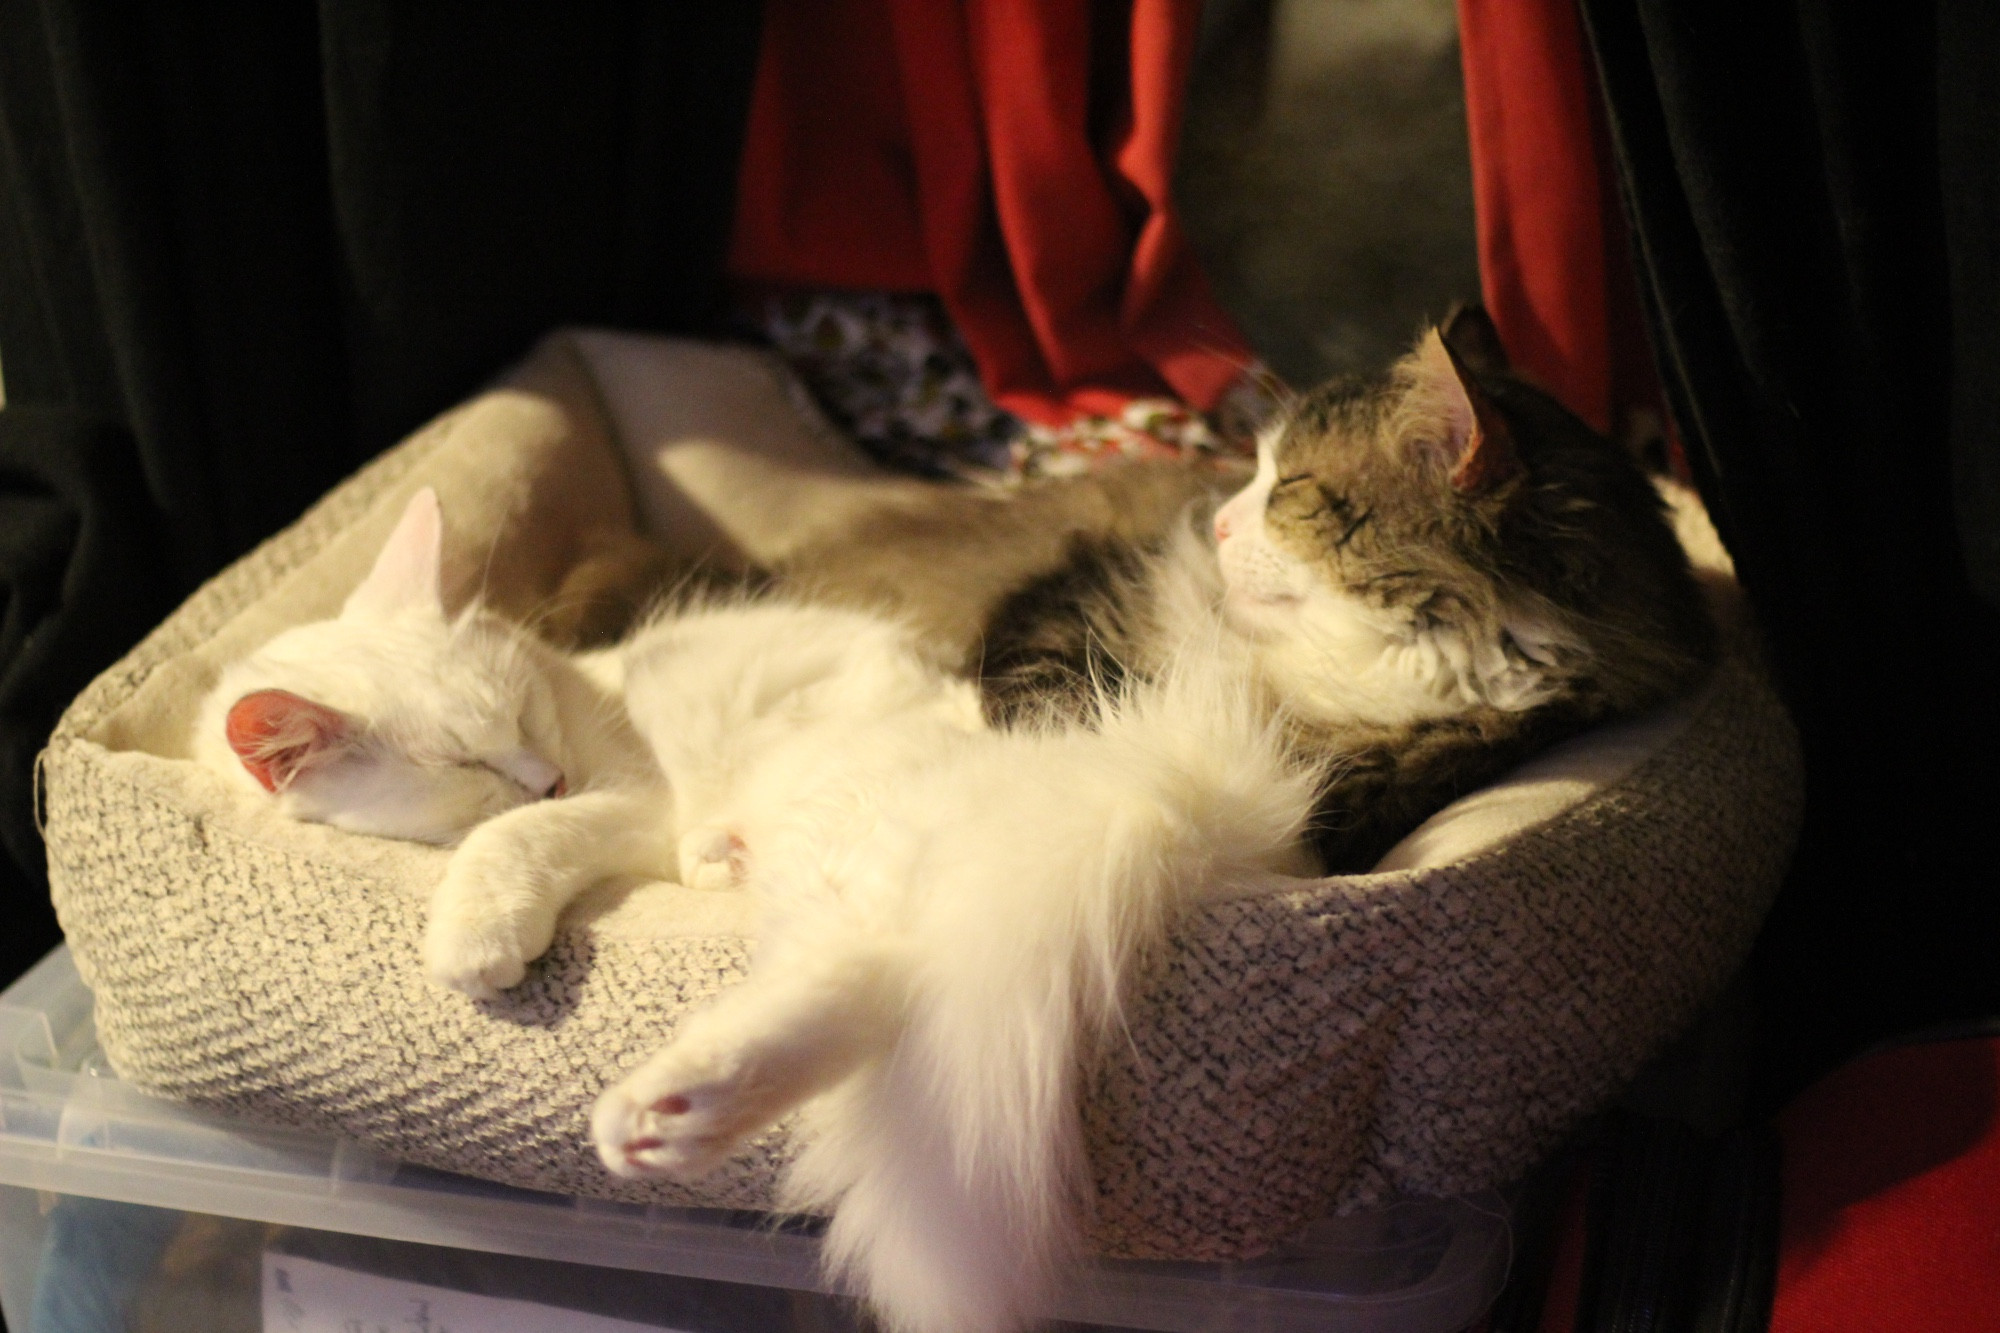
{"x": 1014, "y": 158}
{"x": 1892, "y": 1195}
{"x": 1554, "y": 260}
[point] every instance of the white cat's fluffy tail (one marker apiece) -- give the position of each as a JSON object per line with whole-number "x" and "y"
{"x": 1051, "y": 867}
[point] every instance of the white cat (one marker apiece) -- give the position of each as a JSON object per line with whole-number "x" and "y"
{"x": 942, "y": 949}
{"x": 399, "y": 720}
{"x": 949, "y": 914}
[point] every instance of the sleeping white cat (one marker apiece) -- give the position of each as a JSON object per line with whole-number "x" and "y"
{"x": 399, "y": 720}
{"x": 948, "y": 913}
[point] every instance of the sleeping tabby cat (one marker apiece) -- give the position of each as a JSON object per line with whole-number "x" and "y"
{"x": 1441, "y": 571}
{"x": 1431, "y": 574}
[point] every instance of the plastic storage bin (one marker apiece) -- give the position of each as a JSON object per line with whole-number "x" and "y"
{"x": 121, "y": 1211}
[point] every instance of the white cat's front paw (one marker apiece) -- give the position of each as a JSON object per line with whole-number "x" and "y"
{"x": 713, "y": 857}
{"x": 680, "y": 1114}
{"x": 480, "y": 959}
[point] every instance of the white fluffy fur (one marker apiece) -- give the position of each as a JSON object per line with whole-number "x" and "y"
{"x": 951, "y": 916}
{"x": 945, "y": 940}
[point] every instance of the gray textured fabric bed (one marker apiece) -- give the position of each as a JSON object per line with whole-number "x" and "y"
{"x": 1305, "y": 1046}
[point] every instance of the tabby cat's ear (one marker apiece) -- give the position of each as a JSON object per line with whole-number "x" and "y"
{"x": 278, "y": 735}
{"x": 407, "y": 573}
{"x": 1479, "y": 446}
{"x": 1470, "y": 332}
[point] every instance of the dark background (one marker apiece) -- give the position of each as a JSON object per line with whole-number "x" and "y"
{"x": 1815, "y": 198}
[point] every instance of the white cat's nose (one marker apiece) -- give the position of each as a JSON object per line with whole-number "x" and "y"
{"x": 1222, "y": 525}
{"x": 535, "y": 775}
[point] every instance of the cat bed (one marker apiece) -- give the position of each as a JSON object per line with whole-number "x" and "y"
{"x": 1303, "y": 1046}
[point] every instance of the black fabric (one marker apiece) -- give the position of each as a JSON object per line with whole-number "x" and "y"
{"x": 1812, "y": 191}
{"x": 243, "y": 248}
{"x": 83, "y": 574}
{"x": 1678, "y": 1232}
{"x": 1968, "y": 148}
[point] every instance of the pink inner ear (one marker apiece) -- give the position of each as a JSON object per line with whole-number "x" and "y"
{"x": 406, "y": 576}
{"x": 1487, "y": 455}
{"x": 277, "y": 734}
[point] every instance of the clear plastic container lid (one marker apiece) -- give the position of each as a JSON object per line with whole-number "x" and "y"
{"x": 68, "y": 1125}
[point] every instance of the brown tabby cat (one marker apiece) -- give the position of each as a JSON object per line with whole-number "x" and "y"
{"x": 1443, "y": 569}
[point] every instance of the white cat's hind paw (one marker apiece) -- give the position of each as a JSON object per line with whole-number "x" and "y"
{"x": 680, "y": 1114}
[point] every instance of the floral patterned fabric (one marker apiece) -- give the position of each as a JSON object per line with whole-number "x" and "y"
{"x": 892, "y": 371}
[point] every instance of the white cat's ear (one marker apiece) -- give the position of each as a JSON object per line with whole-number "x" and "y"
{"x": 408, "y": 573}
{"x": 278, "y": 735}
{"x": 1479, "y": 448}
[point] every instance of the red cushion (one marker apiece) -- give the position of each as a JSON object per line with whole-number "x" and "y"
{"x": 1891, "y": 1205}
